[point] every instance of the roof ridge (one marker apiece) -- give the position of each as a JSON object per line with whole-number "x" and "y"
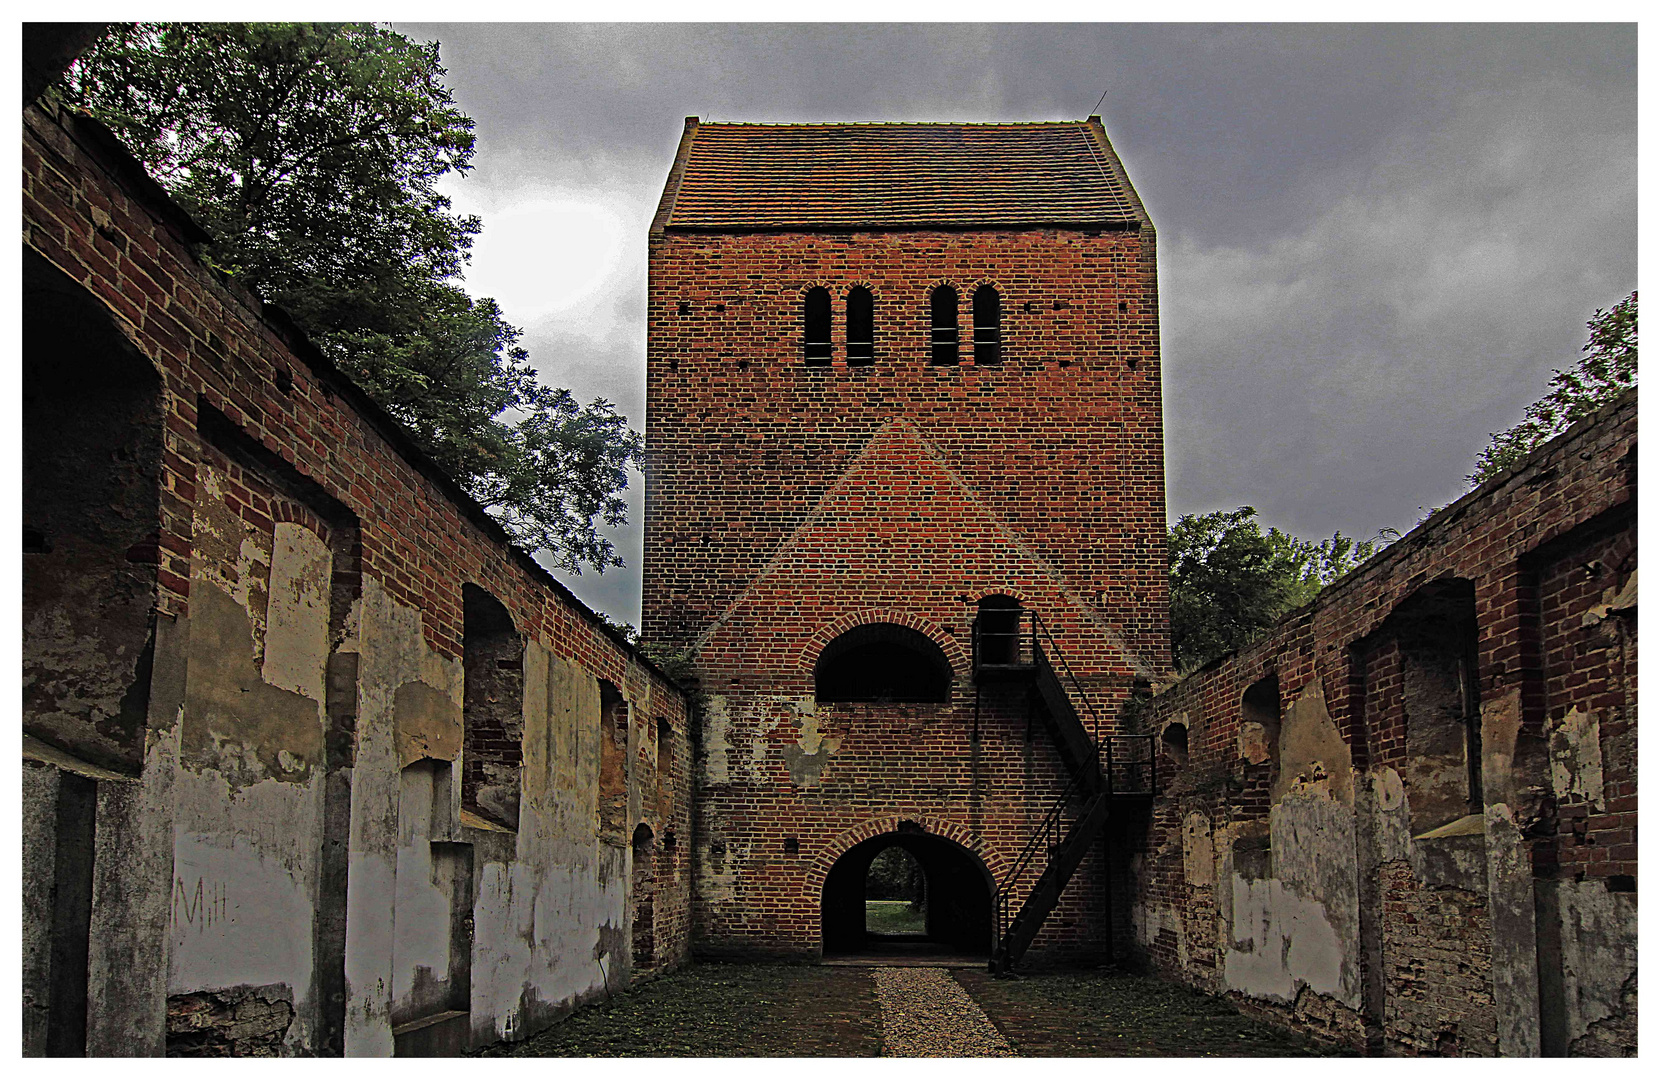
{"x": 891, "y": 123}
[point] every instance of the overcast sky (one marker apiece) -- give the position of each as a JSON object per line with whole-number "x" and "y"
{"x": 1374, "y": 243}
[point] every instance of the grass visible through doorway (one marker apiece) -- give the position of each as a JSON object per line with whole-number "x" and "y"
{"x": 893, "y": 917}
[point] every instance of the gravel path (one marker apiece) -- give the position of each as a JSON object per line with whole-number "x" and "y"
{"x": 926, "y": 1014}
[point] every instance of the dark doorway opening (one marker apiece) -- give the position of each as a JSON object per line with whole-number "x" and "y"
{"x": 954, "y": 892}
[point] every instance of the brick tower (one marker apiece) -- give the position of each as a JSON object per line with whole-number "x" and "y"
{"x": 905, "y": 507}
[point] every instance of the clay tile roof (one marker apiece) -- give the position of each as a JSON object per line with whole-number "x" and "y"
{"x": 896, "y": 176}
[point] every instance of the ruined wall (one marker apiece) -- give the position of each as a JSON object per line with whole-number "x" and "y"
{"x": 1405, "y": 818}
{"x": 246, "y": 711}
{"x": 787, "y": 504}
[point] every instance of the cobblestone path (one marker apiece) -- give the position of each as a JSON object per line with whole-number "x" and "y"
{"x": 926, "y": 1014}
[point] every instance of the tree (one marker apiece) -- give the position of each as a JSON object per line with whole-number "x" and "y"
{"x": 1608, "y": 369}
{"x": 311, "y": 153}
{"x": 1229, "y": 580}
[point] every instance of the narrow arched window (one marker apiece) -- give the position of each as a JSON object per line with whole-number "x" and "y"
{"x": 942, "y": 310}
{"x": 861, "y": 326}
{"x": 816, "y": 326}
{"x": 988, "y": 325}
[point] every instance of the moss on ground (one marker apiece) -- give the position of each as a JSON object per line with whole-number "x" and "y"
{"x": 1112, "y": 1014}
{"x": 723, "y": 1010}
{"x": 780, "y": 1010}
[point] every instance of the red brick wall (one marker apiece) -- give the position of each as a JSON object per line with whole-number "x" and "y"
{"x": 89, "y": 211}
{"x": 1548, "y": 548}
{"x": 1063, "y": 440}
{"x": 786, "y": 504}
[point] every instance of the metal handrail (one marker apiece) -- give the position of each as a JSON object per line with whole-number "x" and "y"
{"x": 1049, "y": 834}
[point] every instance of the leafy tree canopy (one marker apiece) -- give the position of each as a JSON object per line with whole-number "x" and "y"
{"x": 311, "y": 153}
{"x": 1229, "y": 580}
{"x": 1608, "y": 369}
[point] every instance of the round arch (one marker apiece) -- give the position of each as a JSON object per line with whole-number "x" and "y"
{"x": 959, "y": 914}
{"x": 807, "y": 658}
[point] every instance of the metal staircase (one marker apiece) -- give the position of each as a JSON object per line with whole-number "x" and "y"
{"x": 1013, "y": 645}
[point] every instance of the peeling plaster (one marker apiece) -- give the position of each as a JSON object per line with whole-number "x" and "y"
{"x": 1576, "y": 758}
{"x": 811, "y": 752}
{"x": 1198, "y": 854}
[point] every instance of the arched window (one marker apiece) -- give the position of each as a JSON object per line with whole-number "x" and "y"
{"x": 882, "y": 662}
{"x": 942, "y": 311}
{"x": 988, "y": 325}
{"x": 816, "y": 326}
{"x": 492, "y": 709}
{"x": 861, "y": 326}
{"x": 997, "y": 632}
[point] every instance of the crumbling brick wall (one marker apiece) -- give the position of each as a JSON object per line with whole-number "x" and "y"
{"x": 1509, "y": 929}
{"x": 272, "y": 478}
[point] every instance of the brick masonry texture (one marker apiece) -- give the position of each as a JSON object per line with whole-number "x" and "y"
{"x": 262, "y": 443}
{"x": 1405, "y": 819}
{"x": 789, "y": 503}
{"x": 1446, "y": 934}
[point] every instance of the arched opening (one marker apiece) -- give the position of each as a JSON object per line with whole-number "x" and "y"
{"x": 955, "y": 909}
{"x": 861, "y": 326}
{"x": 942, "y": 317}
{"x": 882, "y": 662}
{"x": 997, "y": 631}
{"x": 988, "y": 325}
{"x": 613, "y": 763}
{"x": 492, "y": 710}
{"x": 1174, "y": 741}
{"x": 896, "y": 894}
{"x": 1429, "y": 643}
{"x": 815, "y": 326}
{"x": 1260, "y": 705}
{"x": 645, "y": 891}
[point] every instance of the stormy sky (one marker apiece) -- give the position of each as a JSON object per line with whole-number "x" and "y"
{"x": 1374, "y": 242}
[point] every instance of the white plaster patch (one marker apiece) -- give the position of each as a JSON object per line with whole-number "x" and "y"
{"x": 297, "y": 621}
{"x": 1198, "y": 853}
{"x": 717, "y": 727}
{"x": 1599, "y": 950}
{"x": 1576, "y": 757}
{"x": 1281, "y": 942}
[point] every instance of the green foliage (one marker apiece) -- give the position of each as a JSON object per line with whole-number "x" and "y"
{"x": 311, "y": 153}
{"x": 1608, "y": 369}
{"x": 1229, "y": 580}
{"x": 894, "y": 875}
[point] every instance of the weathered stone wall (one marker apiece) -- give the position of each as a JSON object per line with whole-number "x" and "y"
{"x": 1405, "y": 818}
{"x": 247, "y": 685}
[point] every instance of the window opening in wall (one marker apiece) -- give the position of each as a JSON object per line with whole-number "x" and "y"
{"x": 882, "y": 662}
{"x": 942, "y": 312}
{"x": 665, "y": 752}
{"x": 895, "y": 894}
{"x": 613, "y": 763}
{"x": 988, "y": 325}
{"x": 815, "y": 329}
{"x": 645, "y": 897}
{"x": 1260, "y": 705}
{"x": 861, "y": 326}
{"x": 1174, "y": 741}
{"x": 1429, "y": 639}
{"x": 997, "y": 631}
{"x": 492, "y": 712}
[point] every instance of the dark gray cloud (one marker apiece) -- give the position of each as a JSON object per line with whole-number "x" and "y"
{"x": 1375, "y": 242}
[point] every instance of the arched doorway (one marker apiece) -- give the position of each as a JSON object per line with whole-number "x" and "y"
{"x": 645, "y": 897}
{"x": 955, "y": 916}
